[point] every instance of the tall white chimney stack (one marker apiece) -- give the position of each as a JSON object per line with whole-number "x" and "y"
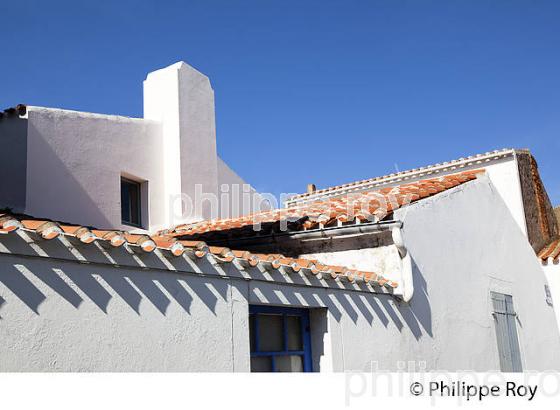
{"x": 182, "y": 100}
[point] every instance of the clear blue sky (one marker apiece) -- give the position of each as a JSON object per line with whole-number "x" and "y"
{"x": 310, "y": 91}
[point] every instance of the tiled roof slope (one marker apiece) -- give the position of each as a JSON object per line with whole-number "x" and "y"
{"x": 369, "y": 184}
{"x": 48, "y": 230}
{"x": 551, "y": 252}
{"x": 369, "y": 206}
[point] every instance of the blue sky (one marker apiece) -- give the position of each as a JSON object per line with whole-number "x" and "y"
{"x": 310, "y": 91}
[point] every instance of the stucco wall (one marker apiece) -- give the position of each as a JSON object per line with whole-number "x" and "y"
{"x": 62, "y": 315}
{"x": 75, "y": 161}
{"x": 504, "y": 175}
{"x": 465, "y": 243}
{"x": 66, "y": 165}
{"x": 383, "y": 260}
{"x": 552, "y": 273}
{"x": 241, "y": 198}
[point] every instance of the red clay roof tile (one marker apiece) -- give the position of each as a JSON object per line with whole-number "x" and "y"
{"x": 551, "y": 251}
{"x": 363, "y": 205}
{"x": 49, "y": 230}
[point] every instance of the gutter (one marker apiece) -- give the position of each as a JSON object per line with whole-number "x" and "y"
{"x": 348, "y": 230}
{"x": 322, "y": 233}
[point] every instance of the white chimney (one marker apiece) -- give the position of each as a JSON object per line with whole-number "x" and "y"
{"x": 182, "y": 99}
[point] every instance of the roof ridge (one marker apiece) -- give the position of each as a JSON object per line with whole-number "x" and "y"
{"x": 446, "y": 164}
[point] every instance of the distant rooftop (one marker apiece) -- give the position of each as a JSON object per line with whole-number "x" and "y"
{"x": 399, "y": 177}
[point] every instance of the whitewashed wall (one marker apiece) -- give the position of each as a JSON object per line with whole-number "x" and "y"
{"x": 66, "y": 165}
{"x": 237, "y": 197}
{"x": 465, "y": 243}
{"x": 75, "y": 161}
{"x": 552, "y": 273}
{"x": 59, "y": 315}
{"x": 504, "y": 175}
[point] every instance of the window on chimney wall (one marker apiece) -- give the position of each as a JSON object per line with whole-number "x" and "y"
{"x": 131, "y": 202}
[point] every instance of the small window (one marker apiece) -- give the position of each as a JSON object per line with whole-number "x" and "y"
{"x": 280, "y": 339}
{"x": 506, "y": 332}
{"x": 130, "y": 202}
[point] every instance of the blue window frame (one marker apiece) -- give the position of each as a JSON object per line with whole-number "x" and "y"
{"x": 280, "y": 339}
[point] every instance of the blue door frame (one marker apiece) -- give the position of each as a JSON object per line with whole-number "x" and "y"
{"x": 305, "y": 332}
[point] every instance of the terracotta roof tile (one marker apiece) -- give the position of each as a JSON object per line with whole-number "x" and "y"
{"x": 371, "y": 205}
{"x": 550, "y": 252}
{"x": 49, "y": 230}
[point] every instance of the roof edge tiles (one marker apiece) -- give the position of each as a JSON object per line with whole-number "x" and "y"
{"x": 84, "y": 236}
{"x": 550, "y": 253}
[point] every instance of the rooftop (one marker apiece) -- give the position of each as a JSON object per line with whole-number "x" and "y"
{"x": 361, "y": 207}
{"x": 456, "y": 165}
{"x": 80, "y": 236}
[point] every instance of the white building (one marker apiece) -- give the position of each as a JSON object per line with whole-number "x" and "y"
{"x": 69, "y": 166}
{"x": 513, "y": 172}
{"x": 434, "y": 266}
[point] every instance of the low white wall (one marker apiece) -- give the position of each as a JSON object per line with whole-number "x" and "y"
{"x": 383, "y": 260}
{"x": 62, "y": 316}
